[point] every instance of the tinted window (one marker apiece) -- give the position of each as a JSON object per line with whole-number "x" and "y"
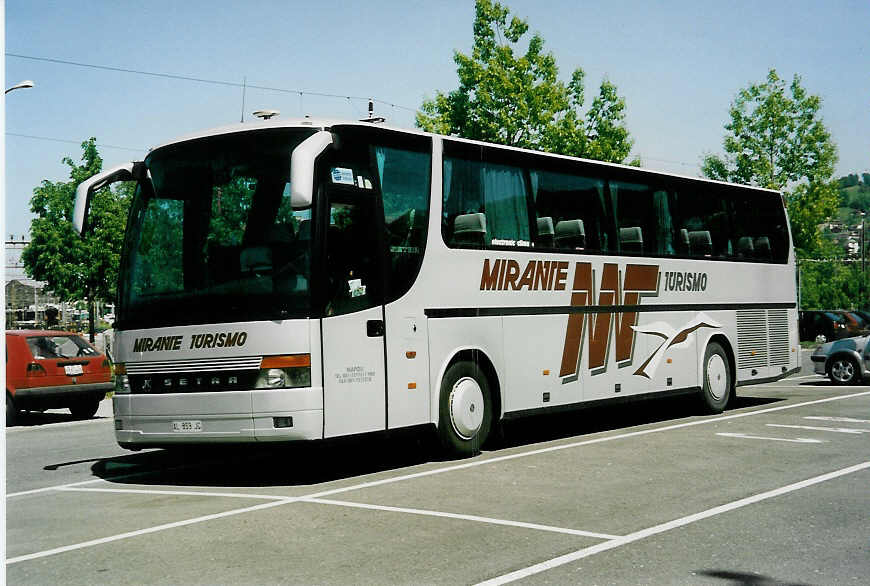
{"x": 404, "y": 179}
{"x": 571, "y": 212}
{"x": 485, "y": 204}
{"x": 643, "y": 218}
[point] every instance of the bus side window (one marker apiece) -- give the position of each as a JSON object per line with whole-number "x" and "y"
{"x": 404, "y": 180}
{"x": 497, "y": 191}
{"x": 574, "y": 206}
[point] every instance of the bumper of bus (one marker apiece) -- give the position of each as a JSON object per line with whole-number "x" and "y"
{"x": 225, "y": 417}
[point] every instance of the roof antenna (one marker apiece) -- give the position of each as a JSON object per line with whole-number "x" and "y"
{"x": 244, "y": 88}
{"x": 266, "y": 114}
{"x": 372, "y": 118}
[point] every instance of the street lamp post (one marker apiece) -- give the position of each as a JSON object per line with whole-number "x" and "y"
{"x": 27, "y": 83}
{"x": 863, "y": 287}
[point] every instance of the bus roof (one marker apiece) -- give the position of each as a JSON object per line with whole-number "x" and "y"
{"x": 327, "y": 123}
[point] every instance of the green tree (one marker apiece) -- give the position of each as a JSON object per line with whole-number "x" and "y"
{"x": 75, "y": 268}
{"x": 776, "y": 139}
{"x": 517, "y": 99}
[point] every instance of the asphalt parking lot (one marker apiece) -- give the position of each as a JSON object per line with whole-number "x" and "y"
{"x": 775, "y": 490}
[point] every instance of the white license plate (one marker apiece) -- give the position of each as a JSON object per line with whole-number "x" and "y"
{"x": 187, "y": 426}
{"x": 73, "y": 369}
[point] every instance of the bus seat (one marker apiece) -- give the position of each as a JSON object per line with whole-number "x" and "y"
{"x": 744, "y": 247}
{"x": 570, "y": 234}
{"x": 304, "y": 230}
{"x": 255, "y": 259}
{"x": 700, "y": 243}
{"x": 762, "y": 247}
{"x": 470, "y": 229}
{"x": 684, "y": 241}
{"x": 631, "y": 239}
{"x": 545, "y": 232}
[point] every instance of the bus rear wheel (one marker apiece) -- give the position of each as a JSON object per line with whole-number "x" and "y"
{"x": 717, "y": 384}
{"x": 465, "y": 409}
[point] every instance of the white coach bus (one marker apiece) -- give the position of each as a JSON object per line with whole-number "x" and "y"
{"x": 308, "y": 279}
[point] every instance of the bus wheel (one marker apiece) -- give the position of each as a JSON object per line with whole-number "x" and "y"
{"x": 717, "y": 386}
{"x": 843, "y": 371}
{"x": 465, "y": 413}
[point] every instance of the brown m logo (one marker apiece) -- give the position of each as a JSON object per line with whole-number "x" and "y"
{"x": 640, "y": 281}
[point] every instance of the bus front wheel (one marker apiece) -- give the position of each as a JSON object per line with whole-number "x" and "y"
{"x": 465, "y": 409}
{"x": 716, "y": 386}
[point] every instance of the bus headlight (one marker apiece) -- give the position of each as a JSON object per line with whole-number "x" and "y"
{"x": 285, "y": 372}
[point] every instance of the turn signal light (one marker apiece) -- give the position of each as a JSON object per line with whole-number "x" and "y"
{"x": 284, "y": 372}
{"x": 288, "y": 361}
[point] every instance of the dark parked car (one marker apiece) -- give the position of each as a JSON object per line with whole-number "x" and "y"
{"x": 845, "y": 361}
{"x": 833, "y": 325}
{"x": 54, "y": 370}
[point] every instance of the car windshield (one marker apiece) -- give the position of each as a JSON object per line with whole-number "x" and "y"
{"x": 213, "y": 237}
{"x": 43, "y": 347}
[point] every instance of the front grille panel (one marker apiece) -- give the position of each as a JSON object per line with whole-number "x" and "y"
{"x": 193, "y": 376}
{"x": 205, "y": 366}
{"x": 193, "y": 382}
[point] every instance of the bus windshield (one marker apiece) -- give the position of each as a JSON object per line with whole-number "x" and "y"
{"x": 213, "y": 238}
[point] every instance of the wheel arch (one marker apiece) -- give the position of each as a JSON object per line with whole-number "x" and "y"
{"x": 854, "y": 356}
{"x": 481, "y": 358}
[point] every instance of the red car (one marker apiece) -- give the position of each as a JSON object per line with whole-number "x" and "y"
{"x": 54, "y": 370}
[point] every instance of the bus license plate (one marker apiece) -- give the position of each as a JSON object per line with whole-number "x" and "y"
{"x": 187, "y": 426}
{"x": 73, "y": 369}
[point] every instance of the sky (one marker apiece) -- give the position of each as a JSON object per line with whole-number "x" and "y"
{"x": 678, "y": 64}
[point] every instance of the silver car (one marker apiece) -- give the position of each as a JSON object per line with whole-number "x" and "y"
{"x": 846, "y": 361}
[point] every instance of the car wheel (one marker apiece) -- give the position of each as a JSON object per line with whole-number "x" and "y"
{"x": 11, "y": 411}
{"x": 85, "y": 409}
{"x": 843, "y": 371}
{"x": 716, "y": 386}
{"x": 465, "y": 414}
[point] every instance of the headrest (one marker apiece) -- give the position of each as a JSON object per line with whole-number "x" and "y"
{"x": 470, "y": 223}
{"x": 569, "y": 229}
{"x": 545, "y": 226}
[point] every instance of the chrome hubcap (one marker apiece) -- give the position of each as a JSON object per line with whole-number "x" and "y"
{"x": 717, "y": 376}
{"x": 842, "y": 370}
{"x": 466, "y": 407}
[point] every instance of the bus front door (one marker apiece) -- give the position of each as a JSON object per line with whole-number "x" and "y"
{"x": 354, "y": 370}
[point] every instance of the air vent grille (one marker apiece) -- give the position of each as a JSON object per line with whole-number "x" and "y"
{"x": 751, "y": 338}
{"x": 777, "y": 320}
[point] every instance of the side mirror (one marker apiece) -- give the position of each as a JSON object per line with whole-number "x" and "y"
{"x": 302, "y": 168}
{"x": 86, "y": 189}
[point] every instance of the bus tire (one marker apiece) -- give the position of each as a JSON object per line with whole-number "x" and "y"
{"x": 465, "y": 409}
{"x": 717, "y": 384}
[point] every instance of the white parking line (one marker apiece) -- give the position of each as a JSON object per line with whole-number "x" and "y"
{"x": 402, "y": 478}
{"x": 489, "y": 520}
{"x": 837, "y": 419}
{"x": 797, "y": 440}
{"x": 101, "y": 541}
{"x": 816, "y": 428}
{"x": 644, "y": 533}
